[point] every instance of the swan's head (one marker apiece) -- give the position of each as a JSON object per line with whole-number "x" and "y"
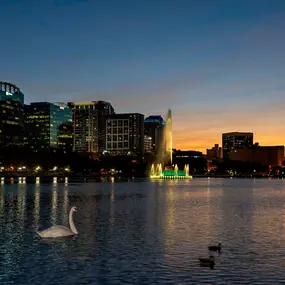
{"x": 74, "y": 209}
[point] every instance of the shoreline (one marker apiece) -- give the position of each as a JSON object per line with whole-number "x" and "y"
{"x": 10, "y": 179}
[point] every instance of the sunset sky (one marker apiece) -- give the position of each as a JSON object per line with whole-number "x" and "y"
{"x": 219, "y": 65}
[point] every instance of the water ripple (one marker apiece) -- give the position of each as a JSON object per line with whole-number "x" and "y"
{"x": 145, "y": 233}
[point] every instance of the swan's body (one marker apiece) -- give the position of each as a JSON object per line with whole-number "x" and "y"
{"x": 61, "y": 231}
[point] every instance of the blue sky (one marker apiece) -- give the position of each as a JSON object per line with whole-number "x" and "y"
{"x": 218, "y": 64}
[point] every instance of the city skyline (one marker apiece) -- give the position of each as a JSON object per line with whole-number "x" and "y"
{"x": 220, "y": 68}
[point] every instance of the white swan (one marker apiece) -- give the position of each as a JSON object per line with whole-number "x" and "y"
{"x": 61, "y": 231}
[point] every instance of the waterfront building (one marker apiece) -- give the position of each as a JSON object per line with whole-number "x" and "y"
{"x": 125, "y": 134}
{"x": 105, "y": 109}
{"x": 236, "y": 140}
{"x": 265, "y": 155}
{"x": 89, "y": 120}
{"x": 214, "y": 152}
{"x": 85, "y": 126}
{"x": 65, "y": 137}
{"x": 11, "y": 115}
{"x": 44, "y": 125}
{"x": 154, "y": 128}
{"x": 148, "y": 146}
{"x": 195, "y": 160}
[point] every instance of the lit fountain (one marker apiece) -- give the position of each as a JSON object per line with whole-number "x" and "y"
{"x": 170, "y": 171}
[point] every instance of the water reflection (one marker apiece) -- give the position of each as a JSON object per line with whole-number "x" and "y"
{"x": 37, "y": 206}
{"x": 2, "y": 201}
{"x": 65, "y": 206}
{"x": 54, "y": 204}
{"x": 145, "y": 233}
{"x": 21, "y": 206}
{"x": 170, "y": 210}
{"x": 112, "y": 205}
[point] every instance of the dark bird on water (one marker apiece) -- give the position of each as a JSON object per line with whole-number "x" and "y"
{"x": 215, "y": 248}
{"x": 207, "y": 261}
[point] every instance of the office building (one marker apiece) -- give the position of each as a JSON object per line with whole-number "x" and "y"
{"x": 214, "y": 152}
{"x": 265, "y": 155}
{"x": 11, "y": 115}
{"x": 65, "y": 137}
{"x": 195, "y": 159}
{"x": 43, "y": 125}
{"x": 105, "y": 110}
{"x": 90, "y": 125}
{"x": 154, "y": 128}
{"x": 148, "y": 146}
{"x": 85, "y": 126}
{"x": 236, "y": 140}
{"x": 125, "y": 134}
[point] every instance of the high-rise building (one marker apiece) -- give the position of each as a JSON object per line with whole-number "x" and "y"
{"x": 85, "y": 126}
{"x": 89, "y": 120}
{"x": 154, "y": 128}
{"x": 43, "y": 125}
{"x": 65, "y": 137}
{"x": 148, "y": 144}
{"x": 236, "y": 140}
{"x": 105, "y": 110}
{"x": 11, "y": 115}
{"x": 125, "y": 134}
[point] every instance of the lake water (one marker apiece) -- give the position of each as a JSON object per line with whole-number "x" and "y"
{"x": 145, "y": 232}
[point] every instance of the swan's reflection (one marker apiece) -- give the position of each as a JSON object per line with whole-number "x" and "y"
{"x": 37, "y": 206}
{"x": 54, "y": 204}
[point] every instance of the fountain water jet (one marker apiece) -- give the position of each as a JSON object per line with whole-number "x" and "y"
{"x": 168, "y": 137}
{"x": 170, "y": 171}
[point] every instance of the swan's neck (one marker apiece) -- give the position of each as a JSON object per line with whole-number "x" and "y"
{"x": 71, "y": 223}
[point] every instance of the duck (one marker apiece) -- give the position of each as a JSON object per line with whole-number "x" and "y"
{"x": 215, "y": 248}
{"x": 207, "y": 261}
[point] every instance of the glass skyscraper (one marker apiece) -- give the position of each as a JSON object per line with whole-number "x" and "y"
{"x": 43, "y": 125}
{"x": 154, "y": 128}
{"x": 11, "y": 115}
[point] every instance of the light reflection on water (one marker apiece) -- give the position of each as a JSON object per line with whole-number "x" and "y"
{"x": 145, "y": 233}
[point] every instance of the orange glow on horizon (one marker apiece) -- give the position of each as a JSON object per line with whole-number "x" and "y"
{"x": 202, "y": 129}
{"x": 193, "y": 142}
